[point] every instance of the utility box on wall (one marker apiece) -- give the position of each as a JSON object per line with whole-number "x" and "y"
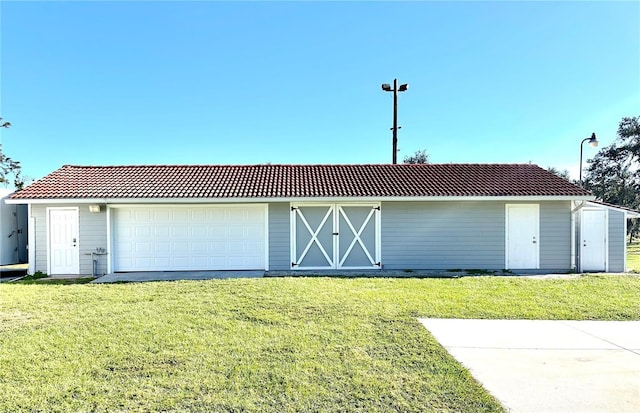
{"x": 13, "y": 231}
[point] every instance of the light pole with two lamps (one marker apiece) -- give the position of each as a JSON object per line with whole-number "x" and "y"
{"x": 387, "y": 88}
{"x": 593, "y": 142}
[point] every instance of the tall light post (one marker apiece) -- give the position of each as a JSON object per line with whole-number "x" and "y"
{"x": 387, "y": 88}
{"x": 593, "y": 142}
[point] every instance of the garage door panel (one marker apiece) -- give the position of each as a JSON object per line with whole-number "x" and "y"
{"x": 141, "y": 216}
{"x": 162, "y": 231}
{"x": 162, "y": 247}
{"x": 189, "y": 238}
{"x": 162, "y": 262}
{"x": 142, "y": 247}
{"x": 199, "y": 231}
{"x": 199, "y": 215}
{"x": 217, "y": 232}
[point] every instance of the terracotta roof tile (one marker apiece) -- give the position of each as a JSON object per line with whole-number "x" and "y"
{"x": 298, "y": 181}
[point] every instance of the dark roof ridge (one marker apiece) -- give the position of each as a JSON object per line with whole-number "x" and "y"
{"x": 295, "y": 165}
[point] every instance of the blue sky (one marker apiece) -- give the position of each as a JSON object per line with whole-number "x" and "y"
{"x": 103, "y": 83}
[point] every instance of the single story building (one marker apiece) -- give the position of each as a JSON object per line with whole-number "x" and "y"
{"x": 104, "y": 219}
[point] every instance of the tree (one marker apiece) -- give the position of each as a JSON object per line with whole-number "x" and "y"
{"x": 629, "y": 136}
{"x": 9, "y": 167}
{"x": 417, "y": 157}
{"x": 613, "y": 174}
{"x": 562, "y": 174}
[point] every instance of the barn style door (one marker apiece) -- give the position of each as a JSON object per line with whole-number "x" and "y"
{"x": 335, "y": 236}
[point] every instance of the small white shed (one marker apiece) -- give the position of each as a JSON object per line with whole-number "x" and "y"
{"x": 13, "y": 230}
{"x": 602, "y": 234}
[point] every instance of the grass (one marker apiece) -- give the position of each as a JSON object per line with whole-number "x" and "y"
{"x": 273, "y": 344}
{"x": 633, "y": 257}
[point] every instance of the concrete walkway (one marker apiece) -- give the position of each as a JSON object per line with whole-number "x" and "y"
{"x": 537, "y": 366}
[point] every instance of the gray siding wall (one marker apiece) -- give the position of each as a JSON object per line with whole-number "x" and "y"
{"x": 38, "y": 212}
{"x": 466, "y": 235}
{"x": 279, "y": 236}
{"x": 443, "y": 235}
{"x": 555, "y": 235}
{"x": 92, "y": 234}
{"x": 415, "y": 235}
{"x": 617, "y": 239}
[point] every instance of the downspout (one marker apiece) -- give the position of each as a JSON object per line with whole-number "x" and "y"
{"x": 574, "y": 255}
{"x": 108, "y": 248}
{"x": 31, "y": 240}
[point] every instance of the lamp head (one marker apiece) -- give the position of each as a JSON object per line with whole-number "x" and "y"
{"x": 404, "y": 87}
{"x": 386, "y": 87}
{"x": 593, "y": 142}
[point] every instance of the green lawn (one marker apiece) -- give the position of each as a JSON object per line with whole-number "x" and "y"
{"x": 633, "y": 257}
{"x": 287, "y": 344}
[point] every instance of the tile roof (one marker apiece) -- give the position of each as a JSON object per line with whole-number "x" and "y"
{"x": 298, "y": 181}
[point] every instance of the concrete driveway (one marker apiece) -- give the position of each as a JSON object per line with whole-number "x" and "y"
{"x": 535, "y": 366}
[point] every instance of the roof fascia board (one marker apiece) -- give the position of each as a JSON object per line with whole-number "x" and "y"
{"x": 296, "y": 199}
{"x": 630, "y": 212}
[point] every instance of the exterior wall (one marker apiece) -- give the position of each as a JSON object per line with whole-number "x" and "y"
{"x": 617, "y": 239}
{"x": 443, "y": 235}
{"x": 279, "y": 236}
{"x": 414, "y": 235}
{"x": 92, "y": 234}
{"x": 466, "y": 235}
{"x": 555, "y": 236}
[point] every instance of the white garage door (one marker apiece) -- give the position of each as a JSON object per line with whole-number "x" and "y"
{"x": 171, "y": 238}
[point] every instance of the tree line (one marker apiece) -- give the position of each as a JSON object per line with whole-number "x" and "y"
{"x": 613, "y": 174}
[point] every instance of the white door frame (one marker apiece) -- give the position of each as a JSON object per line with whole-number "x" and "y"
{"x": 333, "y": 256}
{"x": 606, "y": 237}
{"x": 77, "y": 212}
{"x": 537, "y": 233}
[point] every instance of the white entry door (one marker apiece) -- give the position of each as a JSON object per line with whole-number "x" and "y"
{"x": 522, "y": 248}
{"x": 334, "y": 236}
{"x": 63, "y": 241}
{"x": 593, "y": 240}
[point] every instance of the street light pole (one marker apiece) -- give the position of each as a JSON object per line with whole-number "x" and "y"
{"x": 593, "y": 142}
{"x": 387, "y": 88}
{"x": 395, "y": 122}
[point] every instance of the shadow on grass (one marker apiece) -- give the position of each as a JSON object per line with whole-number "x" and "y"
{"x": 55, "y": 281}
